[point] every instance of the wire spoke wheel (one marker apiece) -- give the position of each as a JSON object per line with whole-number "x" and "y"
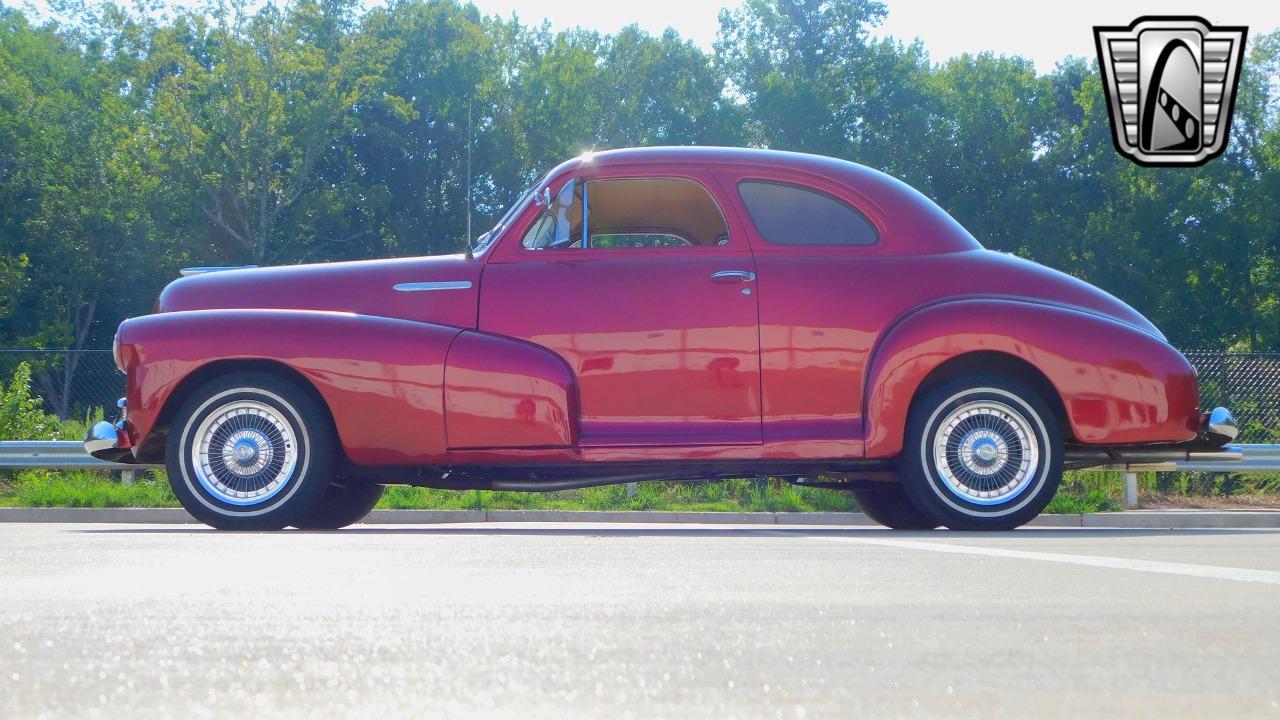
{"x": 986, "y": 452}
{"x": 244, "y": 453}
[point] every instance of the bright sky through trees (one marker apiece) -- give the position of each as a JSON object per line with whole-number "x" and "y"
{"x": 1045, "y": 32}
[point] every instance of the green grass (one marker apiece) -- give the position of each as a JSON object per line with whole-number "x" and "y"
{"x": 40, "y": 488}
{"x": 1104, "y": 491}
{"x": 727, "y": 496}
{"x": 43, "y": 488}
{"x": 1081, "y": 492}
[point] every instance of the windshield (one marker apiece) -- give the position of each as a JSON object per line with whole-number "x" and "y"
{"x": 484, "y": 241}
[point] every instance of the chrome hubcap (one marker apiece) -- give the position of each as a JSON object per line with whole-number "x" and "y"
{"x": 244, "y": 453}
{"x": 986, "y": 452}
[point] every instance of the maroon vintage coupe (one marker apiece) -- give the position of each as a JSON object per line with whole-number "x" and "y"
{"x": 658, "y": 313}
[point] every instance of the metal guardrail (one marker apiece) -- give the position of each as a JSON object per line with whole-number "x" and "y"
{"x": 55, "y": 455}
{"x": 1257, "y": 458}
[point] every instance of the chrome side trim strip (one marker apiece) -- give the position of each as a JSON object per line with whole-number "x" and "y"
{"x": 429, "y": 286}
{"x": 188, "y": 272}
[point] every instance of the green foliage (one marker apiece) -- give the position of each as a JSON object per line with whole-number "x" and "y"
{"x": 1219, "y": 485}
{"x": 1092, "y": 491}
{"x": 727, "y": 496}
{"x": 1083, "y": 492}
{"x": 41, "y": 488}
{"x": 22, "y": 415}
{"x": 12, "y": 275}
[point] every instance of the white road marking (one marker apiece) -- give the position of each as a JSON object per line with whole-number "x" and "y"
{"x": 1268, "y": 577}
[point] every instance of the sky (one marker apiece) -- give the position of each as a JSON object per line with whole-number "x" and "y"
{"x": 1046, "y": 32}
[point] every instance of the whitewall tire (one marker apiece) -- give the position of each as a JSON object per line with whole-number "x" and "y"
{"x": 250, "y": 451}
{"x": 981, "y": 453}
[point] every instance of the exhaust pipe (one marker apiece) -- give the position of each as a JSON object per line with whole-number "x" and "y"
{"x": 1147, "y": 459}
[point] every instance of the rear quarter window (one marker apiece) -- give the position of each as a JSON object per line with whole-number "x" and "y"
{"x": 793, "y": 215}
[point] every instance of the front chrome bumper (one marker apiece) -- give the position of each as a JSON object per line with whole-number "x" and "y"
{"x": 110, "y": 441}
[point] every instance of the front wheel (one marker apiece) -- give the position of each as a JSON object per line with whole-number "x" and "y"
{"x": 250, "y": 451}
{"x": 981, "y": 453}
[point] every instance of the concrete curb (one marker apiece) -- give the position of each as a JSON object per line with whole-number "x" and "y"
{"x": 163, "y": 516}
{"x": 1132, "y": 519}
{"x": 1168, "y": 519}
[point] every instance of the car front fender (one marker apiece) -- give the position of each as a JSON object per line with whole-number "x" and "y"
{"x": 382, "y": 379}
{"x": 1117, "y": 384}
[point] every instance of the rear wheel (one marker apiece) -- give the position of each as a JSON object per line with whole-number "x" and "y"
{"x": 250, "y": 451}
{"x": 981, "y": 453}
{"x": 889, "y": 505}
{"x": 347, "y": 500}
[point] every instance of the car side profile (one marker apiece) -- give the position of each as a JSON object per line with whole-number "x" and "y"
{"x": 657, "y": 314}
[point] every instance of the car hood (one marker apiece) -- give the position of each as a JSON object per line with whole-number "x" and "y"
{"x": 366, "y": 287}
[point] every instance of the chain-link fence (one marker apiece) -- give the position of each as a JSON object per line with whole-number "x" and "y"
{"x": 76, "y": 384}
{"x": 1248, "y": 384}
{"x": 73, "y": 384}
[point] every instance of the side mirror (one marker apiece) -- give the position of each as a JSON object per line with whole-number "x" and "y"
{"x": 543, "y": 199}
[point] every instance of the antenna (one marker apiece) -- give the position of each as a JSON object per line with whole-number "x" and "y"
{"x": 468, "y": 173}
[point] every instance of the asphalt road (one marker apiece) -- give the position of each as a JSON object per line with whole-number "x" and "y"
{"x": 563, "y": 621}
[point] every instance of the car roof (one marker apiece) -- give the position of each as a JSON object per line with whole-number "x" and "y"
{"x": 713, "y": 155}
{"x": 919, "y": 223}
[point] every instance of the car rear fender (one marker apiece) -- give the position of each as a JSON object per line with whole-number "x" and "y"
{"x": 1117, "y": 384}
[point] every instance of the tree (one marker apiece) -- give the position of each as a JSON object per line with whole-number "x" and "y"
{"x": 72, "y": 209}
{"x": 134, "y": 142}
{"x": 246, "y": 108}
{"x": 661, "y": 91}
{"x": 797, "y": 65}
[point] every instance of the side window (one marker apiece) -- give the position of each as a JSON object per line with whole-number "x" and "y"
{"x": 792, "y": 215}
{"x": 542, "y": 233}
{"x": 560, "y": 225}
{"x": 653, "y": 213}
{"x": 630, "y": 214}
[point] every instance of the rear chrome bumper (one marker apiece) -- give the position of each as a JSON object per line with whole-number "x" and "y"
{"x": 1218, "y": 426}
{"x": 1209, "y": 448}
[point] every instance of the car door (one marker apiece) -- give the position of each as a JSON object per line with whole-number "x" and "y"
{"x": 820, "y": 281}
{"x": 648, "y": 293}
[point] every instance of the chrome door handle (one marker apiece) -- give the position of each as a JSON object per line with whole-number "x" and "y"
{"x": 732, "y": 276}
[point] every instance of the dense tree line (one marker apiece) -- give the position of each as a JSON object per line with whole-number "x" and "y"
{"x": 133, "y": 142}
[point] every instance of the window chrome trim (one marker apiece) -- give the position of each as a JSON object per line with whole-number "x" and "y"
{"x": 586, "y": 210}
{"x": 188, "y": 272}
{"x": 429, "y": 286}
